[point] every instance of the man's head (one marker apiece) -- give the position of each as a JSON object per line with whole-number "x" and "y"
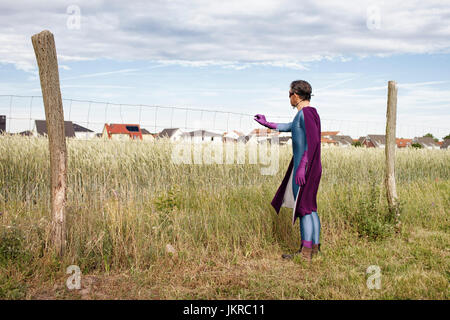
{"x": 300, "y": 90}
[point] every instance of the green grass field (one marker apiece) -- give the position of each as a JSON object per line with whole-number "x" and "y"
{"x": 127, "y": 200}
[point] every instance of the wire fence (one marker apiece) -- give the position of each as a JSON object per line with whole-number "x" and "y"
{"x": 21, "y": 112}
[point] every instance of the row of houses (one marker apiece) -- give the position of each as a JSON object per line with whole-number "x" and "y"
{"x": 379, "y": 141}
{"x": 134, "y": 131}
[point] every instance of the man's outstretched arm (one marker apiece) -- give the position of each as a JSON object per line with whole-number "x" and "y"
{"x": 284, "y": 127}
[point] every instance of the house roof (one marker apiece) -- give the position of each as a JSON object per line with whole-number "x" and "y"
{"x": 445, "y": 144}
{"x": 425, "y": 141}
{"x": 41, "y": 128}
{"x": 233, "y": 132}
{"x": 329, "y": 133}
{"x": 132, "y": 130}
{"x": 168, "y": 132}
{"x": 377, "y": 139}
{"x": 263, "y": 132}
{"x": 115, "y": 128}
{"x": 402, "y": 142}
{"x": 342, "y": 139}
{"x": 145, "y": 131}
{"x": 78, "y": 128}
{"x": 245, "y": 138}
{"x": 202, "y": 133}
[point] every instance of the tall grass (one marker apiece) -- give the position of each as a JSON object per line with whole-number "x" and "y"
{"x": 127, "y": 200}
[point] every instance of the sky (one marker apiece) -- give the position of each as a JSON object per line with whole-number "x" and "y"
{"x": 232, "y": 59}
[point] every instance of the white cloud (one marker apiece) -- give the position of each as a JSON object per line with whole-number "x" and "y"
{"x": 100, "y": 74}
{"x": 232, "y": 34}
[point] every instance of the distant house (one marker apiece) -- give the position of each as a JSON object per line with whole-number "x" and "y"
{"x": 40, "y": 128}
{"x": 326, "y": 138}
{"x": 261, "y": 135}
{"x": 281, "y": 140}
{"x": 343, "y": 141}
{"x": 373, "y": 141}
{"x": 327, "y": 142}
{"x": 119, "y": 131}
{"x": 173, "y": 134}
{"x": 147, "y": 135}
{"x": 328, "y": 134}
{"x": 2, "y": 123}
{"x": 231, "y": 136}
{"x": 82, "y": 132}
{"x": 197, "y": 136}
{"x": 246, "y": 138}
{"x": 445, "y": 144}
{"x": 27, "y": 133}
{"x": 263, "y": 132}
{"x": 426, "y": 142}
{"x": 403, "y": 143}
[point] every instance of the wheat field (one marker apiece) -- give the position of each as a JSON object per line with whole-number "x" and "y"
{"x": 127, "y": 202}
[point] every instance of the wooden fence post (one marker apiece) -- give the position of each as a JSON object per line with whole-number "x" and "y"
{"x": 45, "y": 51}
{"x": 391, "y": 118}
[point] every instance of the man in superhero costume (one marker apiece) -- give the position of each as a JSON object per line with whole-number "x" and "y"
{"x": 298, "y": 189}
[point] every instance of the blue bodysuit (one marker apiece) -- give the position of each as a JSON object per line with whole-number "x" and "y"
{"x": 299, "y": 144}
{"x": 310, "y": 223}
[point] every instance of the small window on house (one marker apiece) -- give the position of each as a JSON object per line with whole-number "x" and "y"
{"x": 133, "y": 128}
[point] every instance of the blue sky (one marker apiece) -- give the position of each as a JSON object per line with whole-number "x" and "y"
{"x": 237, "y": 56}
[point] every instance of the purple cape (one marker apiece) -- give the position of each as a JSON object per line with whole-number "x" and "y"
{"x": 305, "y": 202}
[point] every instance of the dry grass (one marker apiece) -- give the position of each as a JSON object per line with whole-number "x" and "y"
{"x": 127, "y": 201}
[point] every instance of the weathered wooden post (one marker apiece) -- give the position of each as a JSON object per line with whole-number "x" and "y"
{"x": 391, "y": 118}
{"x": 44, "y": 48}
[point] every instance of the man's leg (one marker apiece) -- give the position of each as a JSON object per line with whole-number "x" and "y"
{"x": 316, "y": 227}
{"x": 306, "y": 230}
{"x": 316, "y": 232}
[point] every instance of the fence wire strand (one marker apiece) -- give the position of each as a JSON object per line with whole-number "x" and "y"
{"x": 169, "y": 117}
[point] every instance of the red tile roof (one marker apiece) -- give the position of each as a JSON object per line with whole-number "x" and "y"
{"x": 263, "y": 132}
{"x": 118, "y": 128}
{"x": 402, "y": 143}
{"x": 329, "y": 133}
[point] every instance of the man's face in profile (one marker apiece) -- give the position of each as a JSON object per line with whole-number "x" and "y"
{"x": 293, "y": 98}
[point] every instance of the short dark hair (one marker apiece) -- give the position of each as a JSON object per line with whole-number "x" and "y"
{"x": 302, "y": 88}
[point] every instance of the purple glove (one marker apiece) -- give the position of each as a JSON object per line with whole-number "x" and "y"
{"x": 261, "y": 119}
{"x": 301, "y": 170}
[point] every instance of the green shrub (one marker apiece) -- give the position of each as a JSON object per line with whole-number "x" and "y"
{"x": 373, "y": 219}
{"x": 11, "y": 289}
{"x": 11, "y": 245}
